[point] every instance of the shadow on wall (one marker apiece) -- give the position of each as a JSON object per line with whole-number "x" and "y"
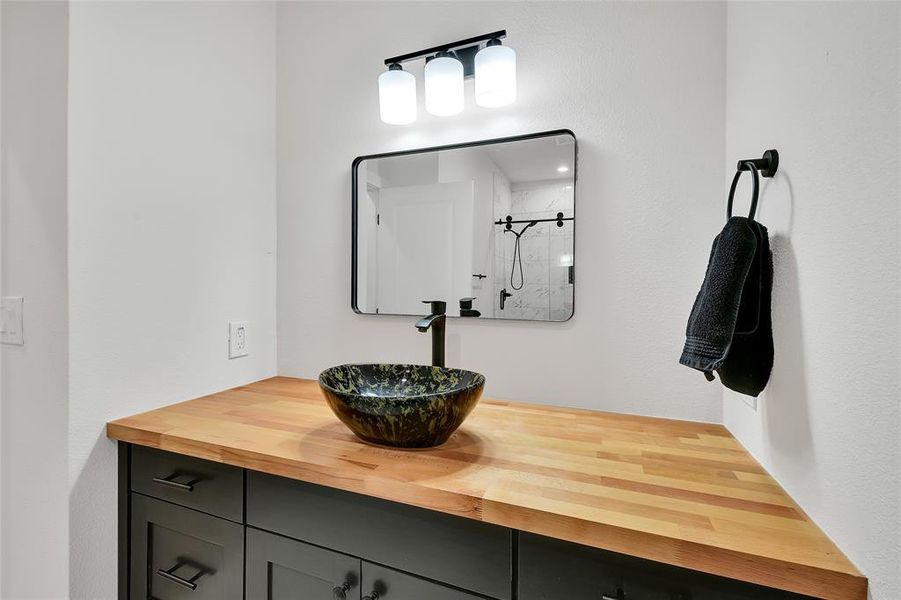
{"x": 785, "y": 400}
{"x": 93, "y": 493}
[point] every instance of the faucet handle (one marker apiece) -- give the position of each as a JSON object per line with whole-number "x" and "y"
{"x": 439, "y": 307}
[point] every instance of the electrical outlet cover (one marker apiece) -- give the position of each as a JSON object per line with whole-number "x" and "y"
{"x": 11, "y": 321}
{"x": 237, "y": 339}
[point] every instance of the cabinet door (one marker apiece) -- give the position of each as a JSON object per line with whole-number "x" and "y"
{"x": 182, "y": 554}
{"x": 280, "y": 568}
{"x": 382, "y": 583}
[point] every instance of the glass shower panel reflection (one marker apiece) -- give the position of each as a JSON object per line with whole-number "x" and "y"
{"x": 542, "y": 285}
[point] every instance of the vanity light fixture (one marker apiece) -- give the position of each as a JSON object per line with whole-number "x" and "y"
{"x": 483, "y": 57}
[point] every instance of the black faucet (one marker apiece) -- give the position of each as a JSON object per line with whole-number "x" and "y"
{"x": 466, "y": 309}
{"x": 436, "y": 322}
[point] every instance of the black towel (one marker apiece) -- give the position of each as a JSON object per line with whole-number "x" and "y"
{"x": 730, "y": 327}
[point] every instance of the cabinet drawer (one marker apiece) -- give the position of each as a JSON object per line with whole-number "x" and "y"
{"x": 461, "y": 552}
{"x": 279, "y": 568}
{"x": 552, "y": 569}
{"x": 208, "y": 486}
{"x": 392, "y": 585}
{"x": 181, "y": 554}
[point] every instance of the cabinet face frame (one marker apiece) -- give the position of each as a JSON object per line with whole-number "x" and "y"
{"x": 123, "y": 501}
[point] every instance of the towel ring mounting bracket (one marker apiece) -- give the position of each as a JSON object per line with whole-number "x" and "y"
{"x": 767, "y": 166}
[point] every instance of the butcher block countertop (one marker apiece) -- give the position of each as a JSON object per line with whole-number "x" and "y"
{"x": 676, "y": 492}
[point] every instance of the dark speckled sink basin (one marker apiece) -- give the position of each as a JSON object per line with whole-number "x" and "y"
{"x": 407, "y": 406}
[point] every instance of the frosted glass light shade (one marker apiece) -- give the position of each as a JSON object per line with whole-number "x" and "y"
{"x": 397, "y": 97}
{"x": 444, "y": 86}
{"x": 495, "y": 67}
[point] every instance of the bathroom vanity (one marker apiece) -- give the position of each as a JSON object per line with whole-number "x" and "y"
{"x": 260, "y": 493}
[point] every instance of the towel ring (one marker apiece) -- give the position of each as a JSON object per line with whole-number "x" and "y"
{"x": 749, "y": 166}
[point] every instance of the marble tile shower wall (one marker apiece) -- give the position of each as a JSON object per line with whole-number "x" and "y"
{"x": 546, "y": 250}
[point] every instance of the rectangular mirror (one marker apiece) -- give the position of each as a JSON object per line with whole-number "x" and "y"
{"x": 485, "y": 226}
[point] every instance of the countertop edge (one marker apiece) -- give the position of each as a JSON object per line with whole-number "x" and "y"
{"x": 770, "y": 572}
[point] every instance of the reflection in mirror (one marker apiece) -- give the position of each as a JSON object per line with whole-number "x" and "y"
{"x": 487, "y": 227}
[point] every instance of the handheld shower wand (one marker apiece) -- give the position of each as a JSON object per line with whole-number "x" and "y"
{"x": 517, "y": 256}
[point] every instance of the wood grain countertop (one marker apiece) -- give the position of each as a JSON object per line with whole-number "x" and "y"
{"x": 676, "y": 492}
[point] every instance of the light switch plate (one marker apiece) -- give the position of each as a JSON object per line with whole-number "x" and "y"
{"x": 237, "y": 339}
{"x": 11, "y": 320}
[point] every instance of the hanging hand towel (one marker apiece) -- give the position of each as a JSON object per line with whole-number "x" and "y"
{"x": 730, "y": 328}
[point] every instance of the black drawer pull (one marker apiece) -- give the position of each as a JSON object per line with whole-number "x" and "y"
{"x": 620, "y": 595}
{"x": 170, "y": 481}
{"x": 171, "y": 576}
{"x": 373, "y": 595}
{"x": 340, "y": 593}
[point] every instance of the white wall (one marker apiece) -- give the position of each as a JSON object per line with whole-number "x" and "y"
{"x": 171, "y": 228}
{"x": 642, "y": 85}
{"x": 34, "y": 383}
{"x": 820, "y": 82}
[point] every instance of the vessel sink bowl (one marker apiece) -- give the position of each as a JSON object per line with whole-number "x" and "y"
{"x": 405, "y": 406}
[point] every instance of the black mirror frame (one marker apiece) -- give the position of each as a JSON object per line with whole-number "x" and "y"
{"x": 517, "y": 138}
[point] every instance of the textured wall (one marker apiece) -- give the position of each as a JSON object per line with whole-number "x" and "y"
{"x": 35, "y": 542}
{"x": 171, "y": 228}
{"x": 820, "y": 82}
{"x": 642, "y": 86}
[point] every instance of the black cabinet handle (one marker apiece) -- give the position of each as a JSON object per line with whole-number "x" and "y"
{"x": 373, "y": 595}
{"x": 340, "y": 593}
{"x": 171, "y": 576}
{"x": 170, "y": 481}
{"x": 620, "y": 595}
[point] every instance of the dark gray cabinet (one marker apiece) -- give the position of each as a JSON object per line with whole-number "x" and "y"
{"x": 279, "y": 568}
{"x": 186, "y": 525}
{"x": 181, "y": 554}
